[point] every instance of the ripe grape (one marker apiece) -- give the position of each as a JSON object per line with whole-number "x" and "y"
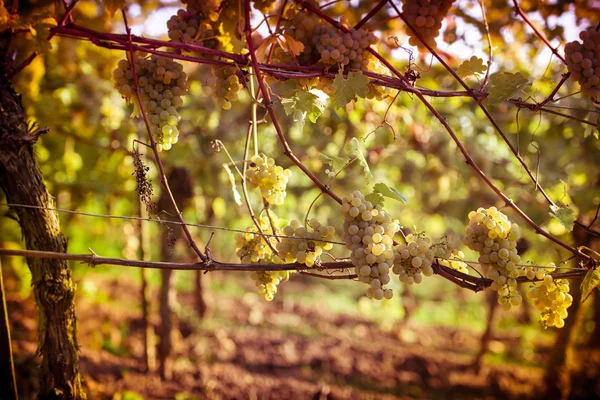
{"x": 414, "y": 259}
{"x": 226, "y": 85}
{"x": 251, "y": 248}
{"x": 494, "y": 237}
{"x": 368, "y": 234}
{"x": 304, "y": 246}
{"x": 270, "y": 178}
{"x": 449, "y": 254}
{"x": 552, "y": 297}
{"x": 191, "y": 27}
{"x": 583, "y": 61}
{"x": 425, "y": 16}
{"x": 162, "y": 84}
{"x": 345, "y": 49}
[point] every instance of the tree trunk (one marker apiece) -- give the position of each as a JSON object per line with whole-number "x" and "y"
{"x": 491, "y": 299}
{"x": 8, "y": 380}
{"x": 53, "y": 288}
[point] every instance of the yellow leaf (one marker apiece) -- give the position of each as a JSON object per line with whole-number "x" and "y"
{"x": 290, "y": 45}
{"x": 4, "y": 16}
{"x": 113, "y": 5}
{"x": 262, "y": 49}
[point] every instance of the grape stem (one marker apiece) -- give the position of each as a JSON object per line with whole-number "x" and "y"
{"x": 153, "y": 145}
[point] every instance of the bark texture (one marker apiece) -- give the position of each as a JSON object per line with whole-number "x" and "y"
{"x": 53, "y": 287}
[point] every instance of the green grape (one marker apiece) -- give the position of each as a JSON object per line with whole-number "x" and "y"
{"x": 552, "y": 298}
{"x": 414, "y": 259}
{"x": 226, "y": 84}
{"x": 270, "y": 178}
{"x": 304, "y": 246}
{"x": 494, "y": 237}
{"x": 368, "y": 234}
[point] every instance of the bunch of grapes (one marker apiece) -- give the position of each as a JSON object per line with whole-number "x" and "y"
{"x": 251, "y": 248}
{"x": 552, "y": 298}
{"x": 226, "y": 85}
{"x": 304, "y": 246}
{"x": 190, "y": 27}
{"x": 207, "y": 8}
{"x": 494, "y": 237}
{"x": 301, "y": 25}
{"x": 425, "y": 16}
{"x": 264, "y": 6}
{"x": 449, "y": 254}
{"x": 346, "y": 49}
{"x": 583, "y": 61}
{"x": 270, "y": 178}
{"x": 413, "y": 259}
{"x": 267, "y": 281}
{"x": 368, "y": 234}
{"x": 162, "y": 84}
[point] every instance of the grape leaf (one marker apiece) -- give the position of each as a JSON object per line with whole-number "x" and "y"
{"x": 504, "y": 85}
{"x": 352, "y": 148}
{"x": 262, "y": 49}
{"x": 591, "y": 281}
{"x": 335, "y": 163}
{"x": 472, "y": 66}
{"x": 375, "y": 198}
{"x": 40, "y": 30}
{"x": 566, "y": 216}
{"x": 4, "y": 16}
{"x": 346, "y": 90}
{"x": 390, "y": 192}
{"x": 290, "y": 45}
{"x": 236, "y": 195}
{"x": 111, "y": 6}
{"x": 304, "y": 104}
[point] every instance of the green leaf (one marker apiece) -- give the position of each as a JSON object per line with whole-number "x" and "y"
{"x": 375, "y": 198}
{"x": 304, "y": 104}
{"x": 473, "y": 66}
{"x": 346, "y": 90}
{"x": 591, "y": 281}
{"x": 566, "y": 216}
{"x": 504, "y": 86}
{"x": 352, "y": 148}
{"x": 236, "y": 195}
{"x": 335, "y": 163}
{"x": 390, "y": 192}
{"x": 111, "y": 6}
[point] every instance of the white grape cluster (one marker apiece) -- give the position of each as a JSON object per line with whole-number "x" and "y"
{"x": 267, "y": 281}
{"x": 426, "y": 17}
{"x": 251, "y": 248}
{"x": 551, "y": 296}
{"x": 494, "y": 237}
{"x": 270, "y": 178}
{"x": 226, "y": 85}
{"x": 264, "y": 6}
{"x": 345, "y": 49}
{"x": 304, "y": 246}
{"x": 368, "y": 234}
{"x": 583, "y": 61}
{"x": 162, "y": 84}
{"x": 191, "y": 27}
{"x": 448, "y": 253}
{"x": 413, "y": 259}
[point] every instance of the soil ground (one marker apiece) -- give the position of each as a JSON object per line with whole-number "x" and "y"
{"x": 247, "y": 348}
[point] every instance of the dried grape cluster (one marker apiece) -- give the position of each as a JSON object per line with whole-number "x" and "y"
{"x": 304, "y": 246}
{"x": 251, "y": 248}
{"x": 413, "y": 259}
{"x": 494, "y": 237}
{"x": 162, "y": 84}
{"x": 583, "y": 61}
{"x": 226, "y": 85}
{"x": 368, "y": 234}
{"x": 346, "y": 49}
{"x": 425, "y": 16}
{"x": 270, "y": 178}
{"x": 551, "y": 296}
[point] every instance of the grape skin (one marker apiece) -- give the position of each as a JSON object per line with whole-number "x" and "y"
{"x": 310, "y": 245}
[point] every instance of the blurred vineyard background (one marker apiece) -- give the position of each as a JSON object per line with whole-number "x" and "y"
{"x": 318, "y": 339}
